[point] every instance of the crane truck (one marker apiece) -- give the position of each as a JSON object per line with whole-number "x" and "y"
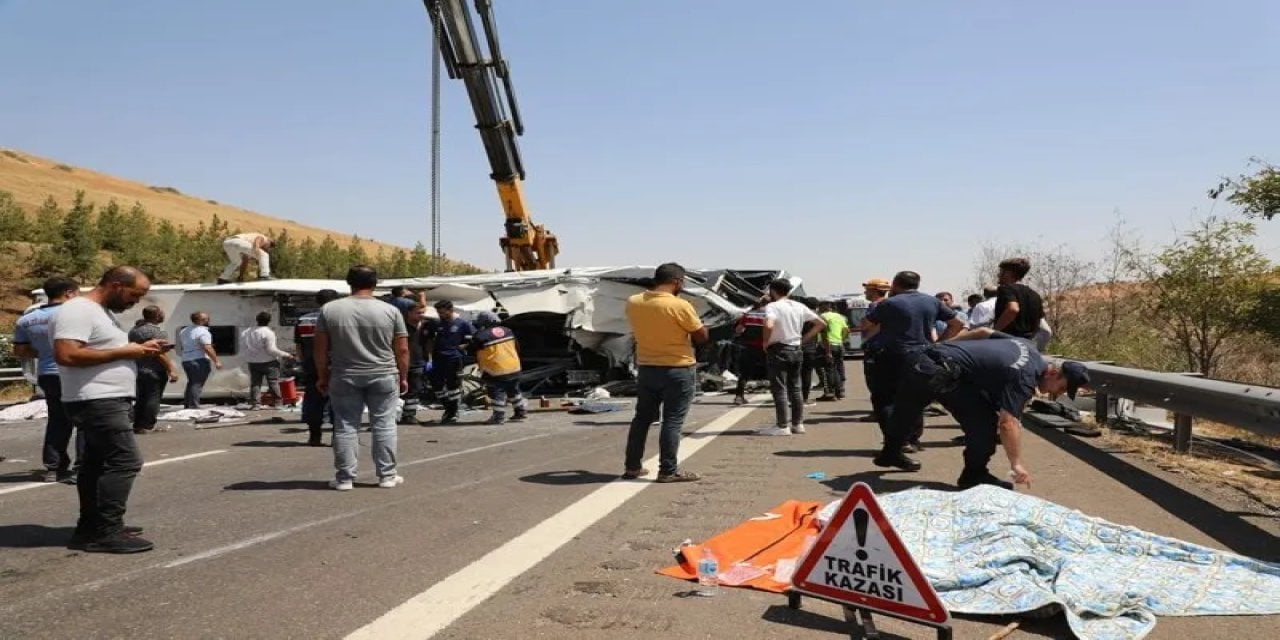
{"x": 487, "y": 76}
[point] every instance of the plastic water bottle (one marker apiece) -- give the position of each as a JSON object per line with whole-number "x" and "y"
{"x": 708, "y": 580}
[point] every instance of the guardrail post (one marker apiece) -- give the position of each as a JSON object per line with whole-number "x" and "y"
{"x": 1182, "y": 433}
{"x": 1101, "y": 409}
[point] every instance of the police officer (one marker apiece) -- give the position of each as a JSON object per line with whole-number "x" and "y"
{"x": 313, "y": 402}
{"x": 985, "y": 379}
{"x": 905, "y": 323}
{"x": 446, "y": 339}
{"x": 413, "y": 315}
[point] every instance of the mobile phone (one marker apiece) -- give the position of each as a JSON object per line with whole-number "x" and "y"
{"x": 168, "y": 346}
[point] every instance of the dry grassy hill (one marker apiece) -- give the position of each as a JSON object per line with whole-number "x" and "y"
{"x": 31, "y": 179}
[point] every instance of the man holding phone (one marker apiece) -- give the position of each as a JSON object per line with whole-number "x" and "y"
{"x": 154, "y": 373}
{"x": 96, "y": 363}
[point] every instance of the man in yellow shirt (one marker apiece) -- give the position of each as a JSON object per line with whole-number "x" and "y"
{"x": 666, "y": 328}
{"x": 833, "y": 349}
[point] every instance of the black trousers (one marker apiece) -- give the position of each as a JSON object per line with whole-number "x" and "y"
{"x": 111, "y": 462}
{"x": 58, "y": 429}
{"x": 446, "y": 383}
{"x": 903, "y": 422}
{"x": 924, "y": 381}
{"x": 314, "y": 405}
{"x": 150, "y": 391}
{"x": 835, "y": 372}
{"x": 812, "y": 362}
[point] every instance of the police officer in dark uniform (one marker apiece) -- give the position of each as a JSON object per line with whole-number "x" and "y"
{"x": 313, "y": 402}
{"x": 446, "y": 340}
{"x": 905, "y": 323}
{"x": 413, "y": 314}
{"x": 985, "y": 379}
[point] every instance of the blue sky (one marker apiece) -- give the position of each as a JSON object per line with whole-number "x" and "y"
{"x": 836, "y": 138}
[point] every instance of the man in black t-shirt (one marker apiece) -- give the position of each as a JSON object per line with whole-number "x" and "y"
{"x": 1019, "y": 308}
{"x": 985, "y": 379}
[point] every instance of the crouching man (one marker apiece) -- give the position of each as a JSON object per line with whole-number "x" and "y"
{"x": 985, "y": 379}
{"x": 494, "y": 347}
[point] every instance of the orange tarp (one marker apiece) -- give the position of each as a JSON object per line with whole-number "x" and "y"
{"x": 761, "y": 542}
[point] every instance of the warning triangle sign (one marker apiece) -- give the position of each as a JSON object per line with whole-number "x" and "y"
{"x": 859, "y": 560}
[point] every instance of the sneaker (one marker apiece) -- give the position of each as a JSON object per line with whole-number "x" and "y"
{"x": 971, "y": 481}
{"x": 797, "y": 428}
{"x": 900, "y": 461}
{"x": 773, "y": 431}
{"x": 342, "y": 485}
{"x": 632, "y": 474}
{"x": 447, "y": 419}
{"x": 911, "y": 447}
{"x": 49, "y": 476}
{"x": 679, "y": 476}
{"x": 497, "y": 418}
{"x": 520, "y": 416}
{"x": 119, "y": 543}
{"x": 79, "y": 540}
{"x": 827, "y": 399}
{"x": 265, "y": 278}
{"x": 810, "y": 403}
{"x": 392, "y": 482}
{"x": 69, "y": 477}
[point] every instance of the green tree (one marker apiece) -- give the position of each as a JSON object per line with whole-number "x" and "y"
{"x": 1257, "y": 194}
{"x": 48, "y": 222}
{"x": 308, "y": 264}
{"x": 331, "y": 260}
{"x": 356, "y": 253}
{"x": 14, "y": 225}
{"x": 419, "y": 261}
{"x": 1266, "y": 314}
{"x": 79, "y": 241}
{"x": 284, "y": 255}
{"x": 137, "y": 247}
{"x": 113, "y": 227}
{"x": 1203, "y": 289}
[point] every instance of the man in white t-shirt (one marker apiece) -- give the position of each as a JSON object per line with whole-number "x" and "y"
{"x": 98, "y": 375}
{"x": 984, "y": 313}
{"x": 783, "y": 333}
{"x": 242, "y": 248}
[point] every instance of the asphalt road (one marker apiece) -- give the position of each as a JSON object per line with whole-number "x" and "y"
{"x": 518, "y": 531}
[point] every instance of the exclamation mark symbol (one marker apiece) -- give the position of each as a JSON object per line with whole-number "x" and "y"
{"x": 860, "y": 518}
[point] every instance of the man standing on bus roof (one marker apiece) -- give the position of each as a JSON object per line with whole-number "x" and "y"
{"x": 242, "y": 248}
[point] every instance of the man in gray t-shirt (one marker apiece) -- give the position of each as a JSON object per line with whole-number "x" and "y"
{"x": 362, "y": 361}
{"x": 96, "y": 365}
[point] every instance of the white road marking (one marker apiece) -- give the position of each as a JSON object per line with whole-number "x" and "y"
{"x": 475, "y": 449}
{"x": 431, "y": 611}
{"x": 154, "y": 463}
{"x": 213, "y": 553}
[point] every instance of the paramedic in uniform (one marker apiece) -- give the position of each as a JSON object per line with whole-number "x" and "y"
{"x": 985, "y": 379}
{"x": 242, "y": 248}
{"x": 498, "y": 359}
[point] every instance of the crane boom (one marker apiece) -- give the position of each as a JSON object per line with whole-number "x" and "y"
{"x": 488, "y": 80}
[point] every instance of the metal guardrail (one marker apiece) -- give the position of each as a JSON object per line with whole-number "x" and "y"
{"x": 1255, "y": 408}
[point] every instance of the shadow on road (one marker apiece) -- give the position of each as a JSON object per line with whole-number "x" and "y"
{"x": 608, "y": 423}
{"x": 782, "y": 614}
{"x": 885, "y": 481}
{"x": 1220, "y": 524}
{"x": 13, "y": 478}
{"x": 281, "y": 485}
{"x": 26, "y": 536}
{"x": 828, "y": 453}
{"x": 569, "y": 478}
{"x": 270, "y": 443}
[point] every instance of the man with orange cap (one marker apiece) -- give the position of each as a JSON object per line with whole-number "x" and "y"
{"x": 875, "y": 290}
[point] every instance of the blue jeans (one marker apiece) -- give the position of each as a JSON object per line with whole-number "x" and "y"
{"x": 668, "y": 390}
{"x": 198, "y": 372}
{"x": 349, "y": 395}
